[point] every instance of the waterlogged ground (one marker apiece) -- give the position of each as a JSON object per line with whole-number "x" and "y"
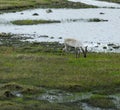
{"x": 99, "y": 36}
{"x": 35, "y": 73}
{"x": 75, "y": 100}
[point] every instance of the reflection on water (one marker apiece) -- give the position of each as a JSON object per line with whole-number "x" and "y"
{"x": 69, "y": 98}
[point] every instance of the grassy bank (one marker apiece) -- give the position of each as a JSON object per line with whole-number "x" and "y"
{"x": 39, "y": 66}
{"x": 34, "y": 22}
{"x": 13, "y": 5}
{"x": 26, "y": 67}
{"x": 31, "y": 22}
{"x": 44, "y": 64}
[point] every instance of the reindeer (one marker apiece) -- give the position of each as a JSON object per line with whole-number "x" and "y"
{"x": 75, "y": 44}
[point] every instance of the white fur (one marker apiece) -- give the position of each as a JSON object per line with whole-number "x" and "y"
{"x": 76, "y": 44}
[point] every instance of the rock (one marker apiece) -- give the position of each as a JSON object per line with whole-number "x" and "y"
{"x": 102, "y": 13}
{"x": 98, "y": 43}
{"x": 48, "y": 11}
{"x": 60, "y": 38}
{"x": 51, "y": 37}
{"x": 116, "y": 47}
{"x": 8, "y": 94}
{"x": 44, "y": 36}
{"x": 111, "y": 44}
{"x": 21, "y": 13}
{"x": 104, "y": 47}
{"x": 35, "y": 14}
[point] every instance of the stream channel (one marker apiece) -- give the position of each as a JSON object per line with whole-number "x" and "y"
{"x": 71, "y": 98}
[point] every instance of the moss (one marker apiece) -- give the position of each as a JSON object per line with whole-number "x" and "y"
{"x": 32, "y": 90}
{"x": 32, "y": 105}
{"x": 108, "y": 91}
{"x": 7, "y": 105}
{"x": 12, "y": 86}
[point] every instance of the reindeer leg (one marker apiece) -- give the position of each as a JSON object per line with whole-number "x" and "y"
{"x": 76, "y": 53}
{"x": 79, "y": 53}
{"x": 84, "y": 53}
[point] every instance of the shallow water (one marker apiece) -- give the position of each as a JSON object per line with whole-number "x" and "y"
{"x": 59, "y": 96}
{"x": 116, "y": 99}
{"x": 87, "y": 31}
{"x": 68, "y": 98}
{"x": 90, "y": 33}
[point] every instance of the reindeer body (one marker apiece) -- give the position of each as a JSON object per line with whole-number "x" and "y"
{"x": 77, "y": 45}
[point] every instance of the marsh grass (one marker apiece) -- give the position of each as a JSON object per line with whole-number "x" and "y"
{"x": 100, "y": 101}
{"x": 56, "y": 70}
{"x": 13, "y": 5}
{"x": 17, "y": 104}
{"x": 33, "y": 22}
{"x": 97, "y": 20}
{"x": 28, "y": 67}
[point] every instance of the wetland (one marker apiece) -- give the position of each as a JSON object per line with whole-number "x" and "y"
{"x": 36, "y": 74}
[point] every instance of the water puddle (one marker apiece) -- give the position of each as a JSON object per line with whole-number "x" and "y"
{"x": 63, "y": 97}
{"x": 17, "y": 93}
{"x": 68, "y": 98}
{"x": 116, "y": 100}
{"x": 60, "y": 96}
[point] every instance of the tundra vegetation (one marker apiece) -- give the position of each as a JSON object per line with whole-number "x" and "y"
{"x": 27, "y": 68}
{"x": 41, "y": 21}
{"x": 100, "y": 101}
{"x": 30, "y": 69}
{"x": 13, "y": 5}
{"x": 33, "y": 22}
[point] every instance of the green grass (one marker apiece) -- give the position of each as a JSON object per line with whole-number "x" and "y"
{"x": 14, "y": 5}
{"x": 39, "y": 66}
{"x": 18, "y": 104}
{"x": 33, "y": 22}
{"x": 100, "y": 101}
{"x": 44, "y": 64}
{"x": 31, "y": 67}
